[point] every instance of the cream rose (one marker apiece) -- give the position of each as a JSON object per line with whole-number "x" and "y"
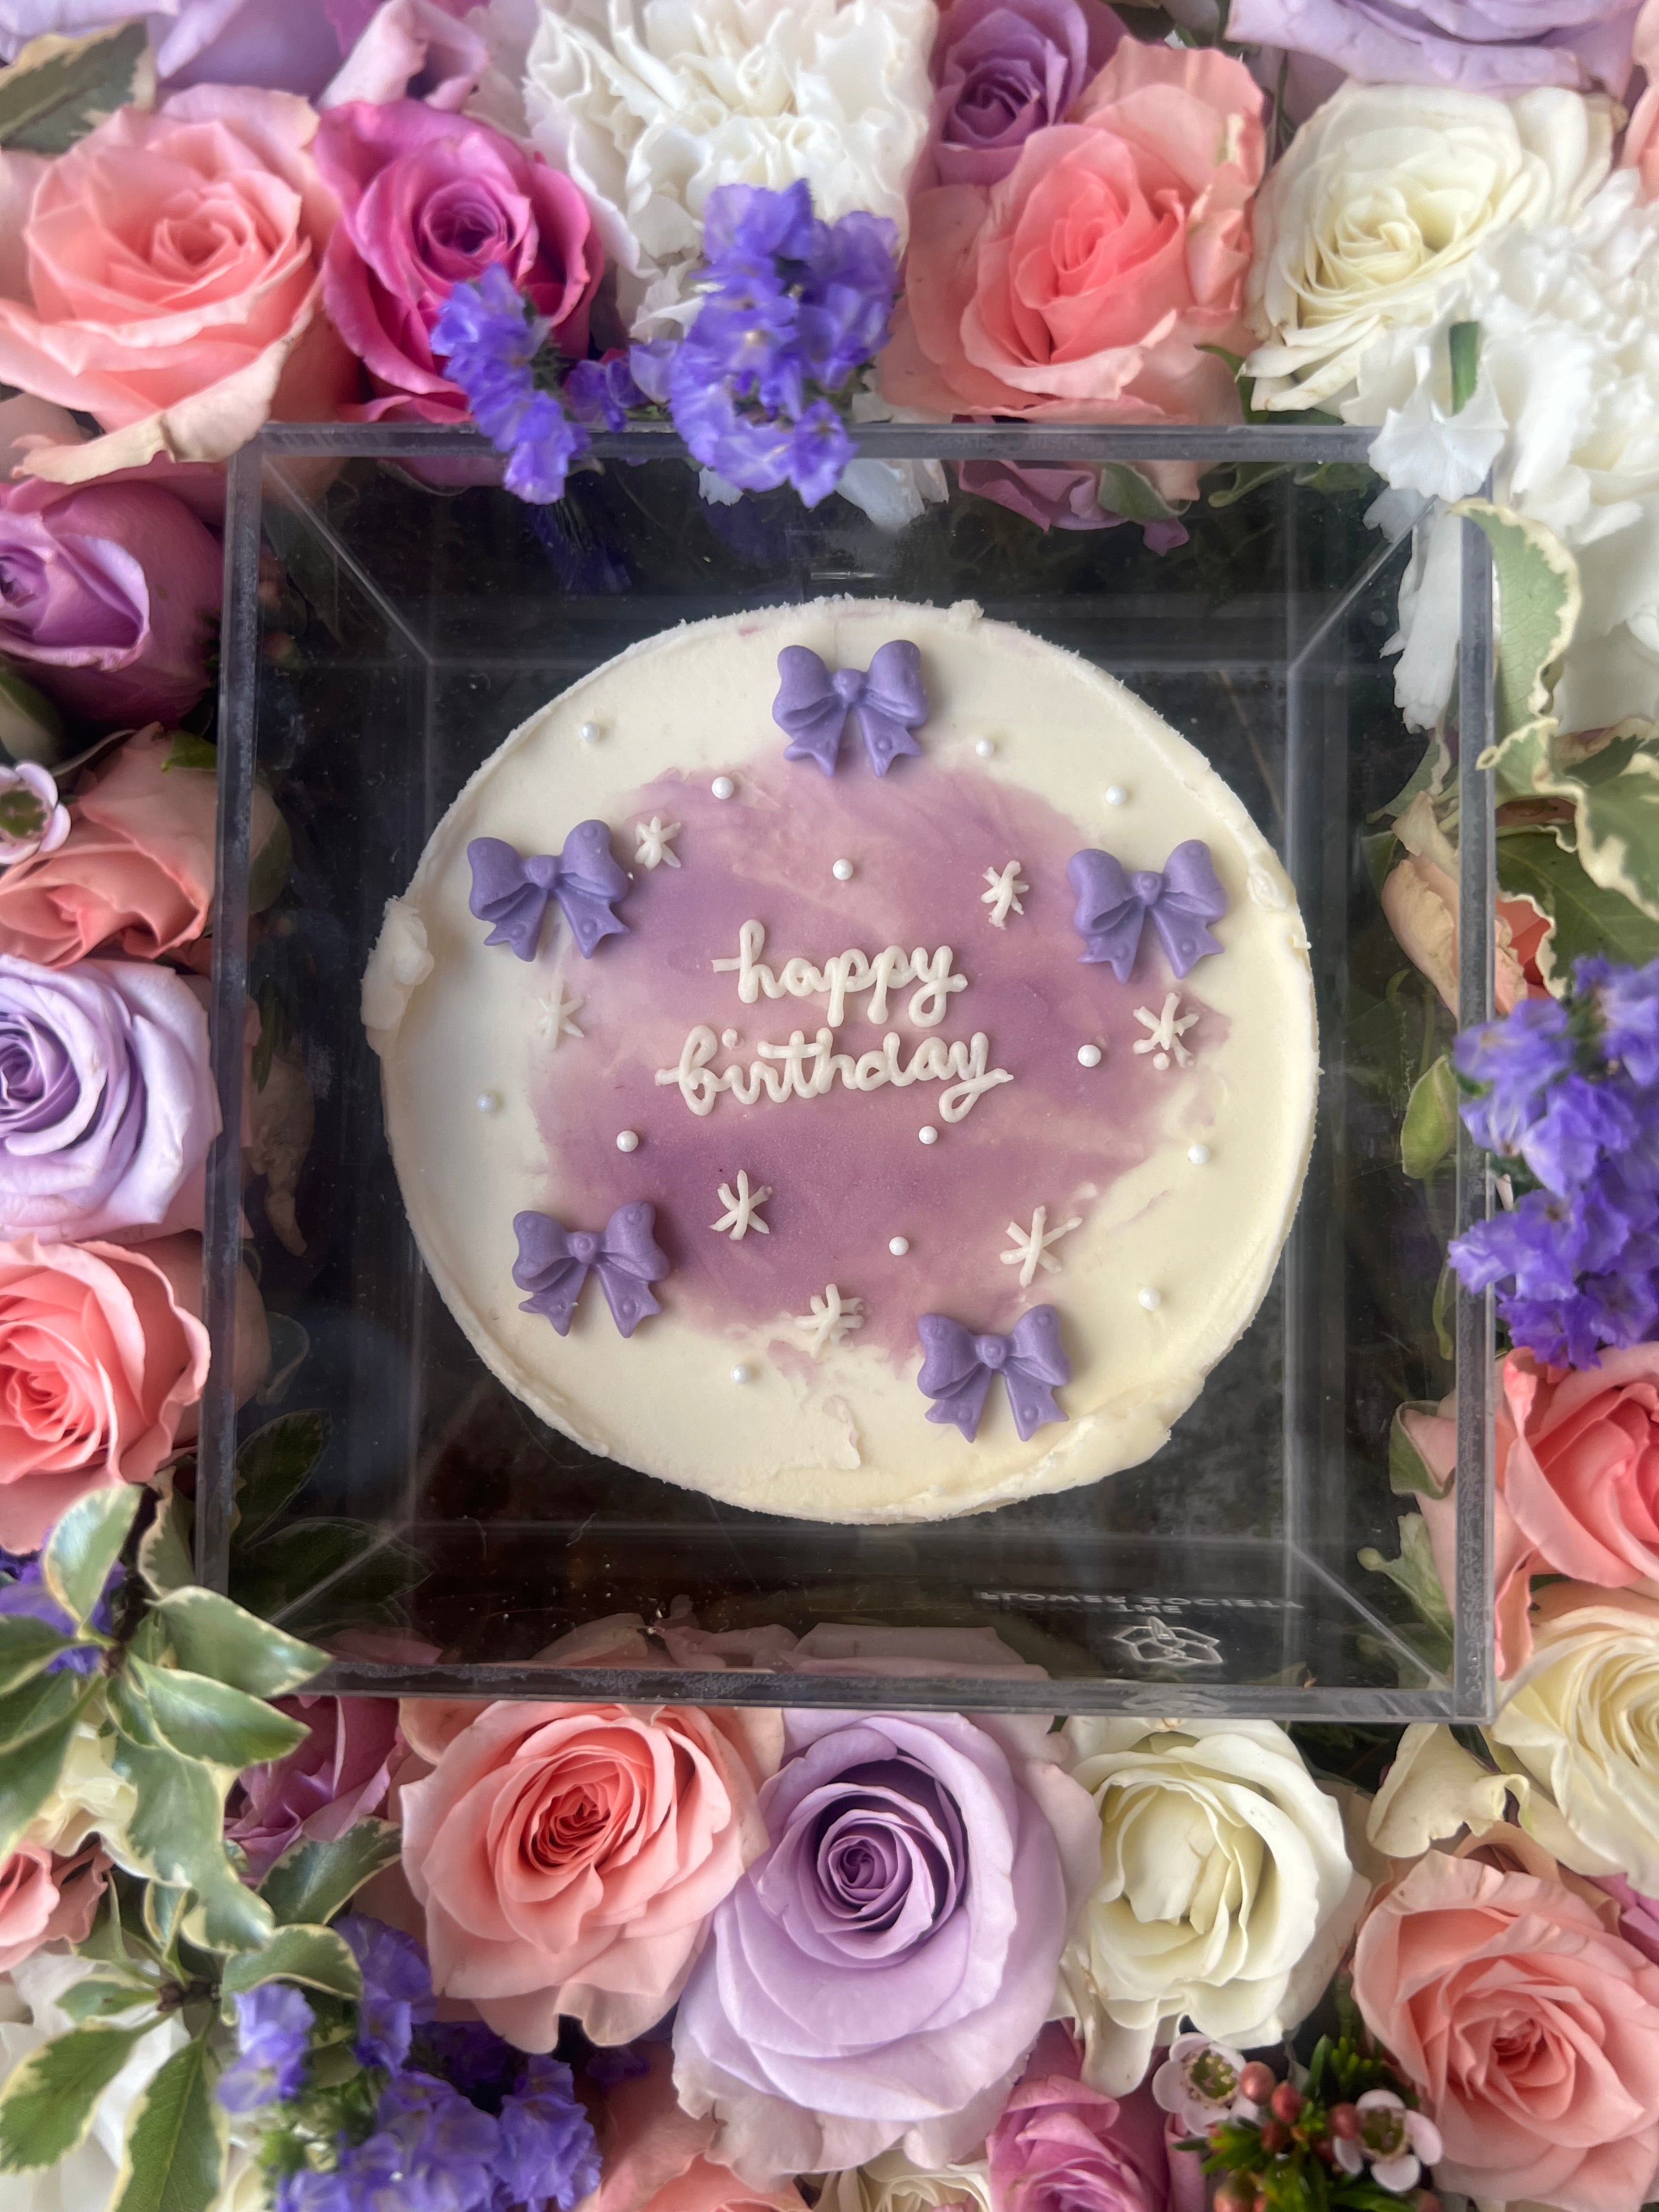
{"x": 1227, "y": 1893}
{"x": 891, "y": 2184}
{"x": 1367, "y": 226}
{"x": 1584, "y": 1719}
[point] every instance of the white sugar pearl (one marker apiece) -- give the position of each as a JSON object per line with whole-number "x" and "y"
{"x": 1160, "y": 1061}
{"x": 728, "y": 1038}
{"x": 1199, "y": 1155}
{"x": 842, "y": 872}
{"x": 722, "y": 787}
{"x": 489, "y": 1102}
{"x": 589, "y": 733}
{"x": 986, "y": 748}
{"x": 1089, "y": 1055}
{"x": 628, "y": 1140}
{"x": 898, "y": 1246}
{"x": 929, "y": 1134}
{"x": 740, "y": 1373}
{"x": 1151, "y": 1299}
{"x": 1117, "y": 795}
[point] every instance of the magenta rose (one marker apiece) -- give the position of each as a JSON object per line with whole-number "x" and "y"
{"x": 879, "y": 1972}
{"x": 428, "y": 200}
{"x": 1477, "y": 45}
{"x": 1005, "y": 68}
{"x": 337, "y": 1777}
{"x": 109, "y": 596}
{"x": 1062, "y": 2147}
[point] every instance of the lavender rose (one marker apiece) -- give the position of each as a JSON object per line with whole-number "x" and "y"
{"x": 108, "y": 596}
{"x": 879, "y": 1973}
{"x": 1477, "y": 45}
{"x": 107, "y": 1106}
{"x": 1005, "y": 68}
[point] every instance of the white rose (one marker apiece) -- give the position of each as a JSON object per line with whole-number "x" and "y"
{"x": 1226, "y": 1892}
{"x": 1583, "y": 1718}
{"x": 649, "y": 107}
{"x": 891, "y": 2184}
{"x": 1366, "y": 227}
{"x": 31, "y": 2014}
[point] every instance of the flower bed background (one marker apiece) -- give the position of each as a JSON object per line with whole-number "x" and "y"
{"x": 265, "y": 1947}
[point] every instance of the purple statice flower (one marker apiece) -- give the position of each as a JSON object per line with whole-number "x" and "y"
{"x": 747, "y": 229}
{"x": 847, "y": 300}
{"x": 750, "y": 452}
{"x": 601, "y": 393}
{"x": 397, "y": 1988}
{"x": 441, "y": 2131}
{"x": 273, "y": 2032}
{"x": 651, "y": 366}
{"x": 1580, "y": 1120}
{"x": 609, "y": 2064}
{"x": 489, "y": 341}
{"x": 548, "y": 2155}
{"x": 819, "y": 449}
{"x": 471, "y": 2057}
{"x": 543, "y": 445}
{"x": 27, "y": 1594}
{"x": 1516, "y": 1059}
{"x": 1627, "y": 1000}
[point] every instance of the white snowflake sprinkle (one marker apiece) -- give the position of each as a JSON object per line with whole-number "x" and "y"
{"x": 741, "y": 1217}
{"x": 1030, "y": 1246}
{"x": 558, "y": 1015}
{"x": 655, "y": 843}
{"x": 1165, "y": 1034}
{"x": 831, "y": 1318}
{"x": 1003, "y": 897}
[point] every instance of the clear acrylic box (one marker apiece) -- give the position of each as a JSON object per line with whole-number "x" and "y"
{"x": 414, "y": 615}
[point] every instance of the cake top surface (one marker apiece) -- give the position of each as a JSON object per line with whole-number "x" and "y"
{"x": 915, "y": 1044}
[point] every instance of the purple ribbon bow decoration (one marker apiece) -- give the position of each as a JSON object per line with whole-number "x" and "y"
{"x": 512, "y": 892}
{"x": 553, "y": 1263}
{"x": 1112, "y": 906}
{"x": 812, "y": 706}
{"x": 958, "y": 1368}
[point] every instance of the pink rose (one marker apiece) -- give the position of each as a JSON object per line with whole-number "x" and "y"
{"x": 1576, "y": 1462}
{"x": 427, "y": 200}
{"x": 1058, "y": 499}
{"x": 337, "y": 1777}
{"x": 1529, "y": 2031}
{"x": 568, "y": 1856}
{"x": 166, "y": 280}
{"x": 98, "y": 1363}
{"x": 1083, "y": 287}
{"x": 655, "y": 2154}
{"x": 135, "y": 869}
{"x": 1641, "y": 148}
{"x": 45, "y": 1898}
{"x": 1638, "y": 1916}
{"x": 109, "y": 594}
{"x": 1063, "y": 2147}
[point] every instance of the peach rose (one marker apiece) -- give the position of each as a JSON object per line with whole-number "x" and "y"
{"x": 655, "y": 2154}
{"x": 1083, "y": 286}
{"x": 1641, "y": 147}
{"x": 164, "y": 276}
{"x": 1420, "y": 902}
{"x": 46, "y": 1898}
{"x": 1576, "y": 1460}
{"x": 1530, "y": 2032}
{"x": 135, "y": 869}
{"x": 568, "y": 1856}
{"x": 98, "y": 1363}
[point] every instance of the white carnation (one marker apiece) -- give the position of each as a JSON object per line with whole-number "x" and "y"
{"x": 1227, "y": 1893}
{"x": 650, "y": 104}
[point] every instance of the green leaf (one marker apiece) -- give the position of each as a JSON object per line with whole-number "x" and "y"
{"x": 1540, "y": 598}
{"x": 47, "y": 2104}
{"x": 316, "y": 1956}
{"x": 1409, "y": 1473}
{"x": 85, "y": 1545}
{"x": 164, "y": 1559}
{"x": 273, "y": 1463}
{"x": 207, "y": 1720}
{"x": 188, "y": 751}
{"x": 174, "y": 1836}
{"x": 1413, "y": 1572}
{"x": 58, "y": 88}
{"x": 164, "y": 1908}
{"x": 1429, "y": 1130}
{"x": 314, "y": 1880}
{"x": 1614, "y": 790}
{"x": 1464, "y": 345}
{"x": 26, "y": 1648}
{"x": 174, "y": 2159}
{"x": 214, "y": 1636}
{"x": 31, "y": 1763}
{"x": 1125, "y": 491}
{"x": 1532, "y": 864}
{"x": 267, "y": 871}
{"x": 1246, "y": 476}
{"x": 31, "y": 728}
{"x": 100, "y": 1994}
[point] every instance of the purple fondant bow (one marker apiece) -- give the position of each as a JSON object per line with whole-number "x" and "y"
{"x": 957, "y": 1370}
{"x": 512, "y": 892}
{"x": 1112, "y": 906}
{"x": 553, "y": 1263}
{"x": 812, "y": 706}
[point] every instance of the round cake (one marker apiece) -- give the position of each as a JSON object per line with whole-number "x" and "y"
{"x": 853, "y": 1060}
